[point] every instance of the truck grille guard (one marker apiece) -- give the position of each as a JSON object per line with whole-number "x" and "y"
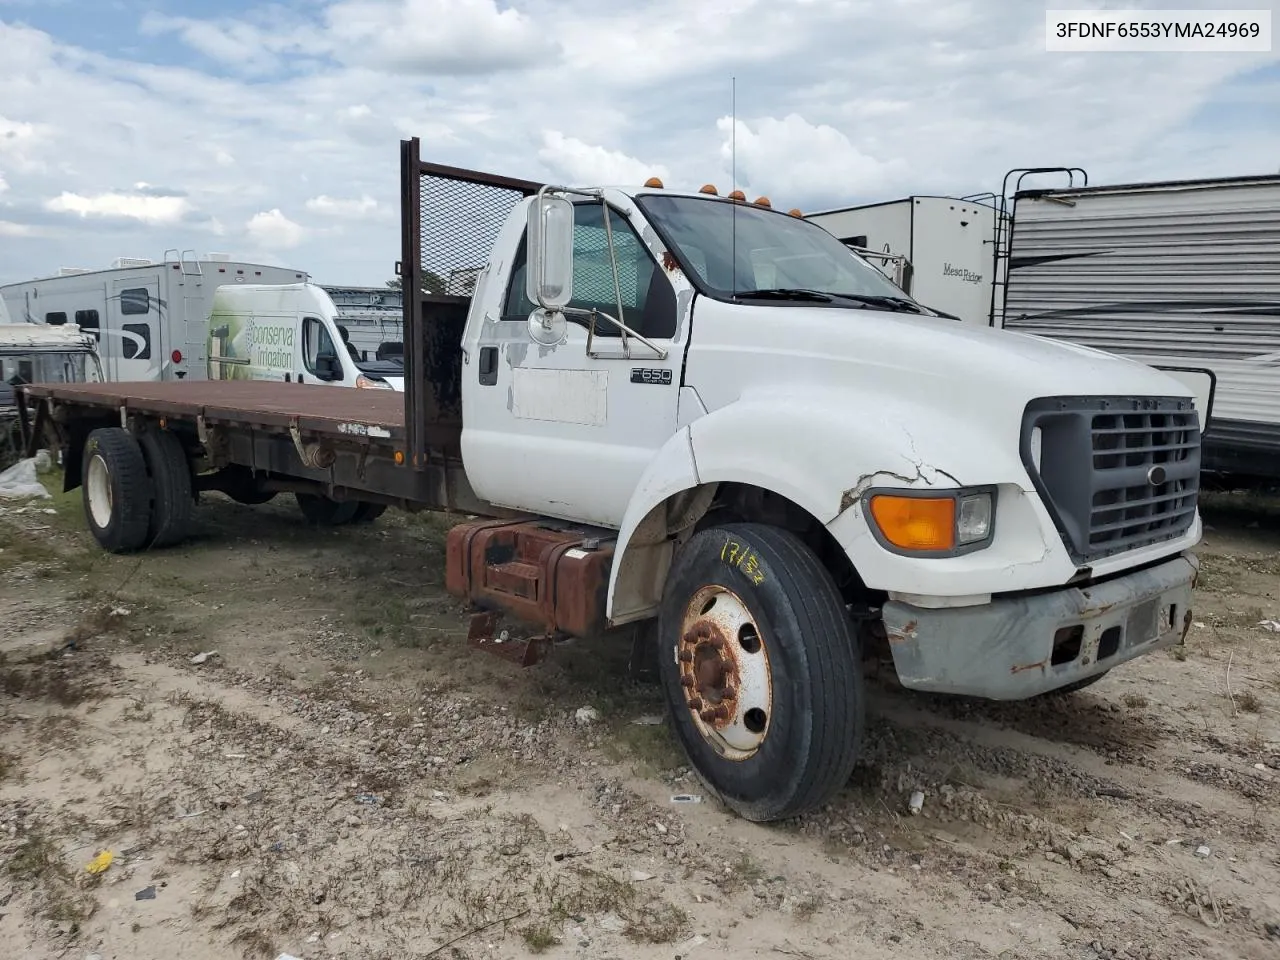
{"x": 1115, "y": 473}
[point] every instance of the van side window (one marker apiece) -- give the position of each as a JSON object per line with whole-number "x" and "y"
{"x": 55, "y": 319}
{"x": 88, "y": 320}
{"x": 135, "y": 301}
{"x": 648, "y": 299}
{"x": 319, "y": 354}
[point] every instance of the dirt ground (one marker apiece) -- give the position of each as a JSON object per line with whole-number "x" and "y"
{"x": 341, "y": 776}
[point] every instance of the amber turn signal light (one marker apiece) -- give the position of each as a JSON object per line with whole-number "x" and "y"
{"x": 916, "y": 523}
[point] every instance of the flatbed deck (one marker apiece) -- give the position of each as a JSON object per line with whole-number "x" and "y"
{"x": 314, "y": 408}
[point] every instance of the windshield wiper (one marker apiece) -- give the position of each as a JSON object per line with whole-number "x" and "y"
{"x": 869, "y": 301}
{"x": 897, "y": 304}
{"x": 785, "y": 293}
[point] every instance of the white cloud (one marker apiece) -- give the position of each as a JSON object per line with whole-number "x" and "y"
{"x": 21, "y": 141}
{"x": 135, "y": 206}
{"x": 582, "y": 164}
{"x": 793, "y": 157}
{"x": 838, "y": 101}
{"x": 437, "y": 36}
{"x": 10, "y": 229}
{"x": 272, "y": 230}
{"x": 4, "y": 184}
{"x": 250, "y": 46}
{"x": 334, "y": 207}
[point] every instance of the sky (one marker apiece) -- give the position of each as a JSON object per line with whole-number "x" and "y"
{"x": 270, "y": 131}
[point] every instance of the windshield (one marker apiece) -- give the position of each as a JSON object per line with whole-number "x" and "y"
{"x": 770, "y": 250}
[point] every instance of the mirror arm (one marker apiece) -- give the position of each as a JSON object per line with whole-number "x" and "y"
{"x": 613, "y": 265}
{"x": 591, "y": 329}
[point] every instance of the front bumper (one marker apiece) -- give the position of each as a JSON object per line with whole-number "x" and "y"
{"x": 1011, "y": 649}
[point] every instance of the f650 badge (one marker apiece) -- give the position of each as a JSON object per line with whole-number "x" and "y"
{"x": 650, "y": 375}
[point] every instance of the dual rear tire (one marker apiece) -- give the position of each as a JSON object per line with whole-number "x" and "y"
{"x": 137, "y": 491}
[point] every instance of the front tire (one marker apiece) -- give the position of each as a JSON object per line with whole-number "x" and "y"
{"x": 116, "y": 490}
{"x": 761, "y": 670}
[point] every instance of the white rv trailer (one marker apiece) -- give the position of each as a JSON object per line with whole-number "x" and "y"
{"x": 151, "y": 318}
{"x": 937, "y": 249}
{"x": 1175, "y": 274}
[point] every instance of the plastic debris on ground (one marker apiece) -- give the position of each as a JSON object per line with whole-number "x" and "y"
{"x": 200, "y": 658}
{"x": 587, "y": 715}
{"x": 146, "y": 894}
{"x": 686, "y": 798}
{"x": 917, "y": 802}
{"x": 100, "y": 863}
{"x": 649, "y": 721}
{"x": 20, "y": 482}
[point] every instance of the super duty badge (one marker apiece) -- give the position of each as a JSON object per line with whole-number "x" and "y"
{"x": 651, "y": 375}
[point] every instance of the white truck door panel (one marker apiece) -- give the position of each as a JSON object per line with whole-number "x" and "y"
{"x": 554, "y": 429}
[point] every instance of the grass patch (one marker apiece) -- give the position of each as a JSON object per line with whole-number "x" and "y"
{"x": 652, "y": 747}
{"x": 646, "y": 917}
{"x": 1135, "y": 701}
{"x": 539, "y": 938}
{"x": 37, "y": 859}
{"x": 1248, "y": 702}
{"x": 50, "y": 677}
{"x": 254, "y": 943}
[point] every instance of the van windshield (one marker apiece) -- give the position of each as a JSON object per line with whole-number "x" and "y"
{"x": 738, "y": 250}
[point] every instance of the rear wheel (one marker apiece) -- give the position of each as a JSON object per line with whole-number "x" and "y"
{"x": 243, "y": 486}
{"x": 368, "y": 512}
{"x": 174, "y": 504}
{"x": 116, "y": 489}
{"x": 321, "y": 511}
{"x": 760, "y": 666}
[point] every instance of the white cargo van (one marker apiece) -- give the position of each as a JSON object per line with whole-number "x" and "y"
{"x": 288, "y": 332}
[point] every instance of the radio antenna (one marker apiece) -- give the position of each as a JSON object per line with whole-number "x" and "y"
{"x": 733, "y": 175}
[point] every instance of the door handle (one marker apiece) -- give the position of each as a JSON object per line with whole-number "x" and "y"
{"x": 488, "y": 366}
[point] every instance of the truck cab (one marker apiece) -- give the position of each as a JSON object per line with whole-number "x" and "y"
{"x": 778, "y": 439}
{"x": 289, "y": 332}
{"x": 35, "y": 353}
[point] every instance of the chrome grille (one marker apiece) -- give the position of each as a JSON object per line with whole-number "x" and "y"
{"x": 1116, "y": 473}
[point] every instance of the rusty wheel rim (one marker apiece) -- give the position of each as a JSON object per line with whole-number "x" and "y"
{"x": 724, "y": 673}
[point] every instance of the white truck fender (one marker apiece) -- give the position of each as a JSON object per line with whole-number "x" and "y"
{"x": 818, "y": 454}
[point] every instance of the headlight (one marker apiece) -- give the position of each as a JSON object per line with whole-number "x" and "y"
{"x": 932, "y": 522}
{"x": 364, "y": 382}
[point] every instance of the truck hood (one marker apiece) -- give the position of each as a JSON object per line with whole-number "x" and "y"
{"x": 900, "y": 353}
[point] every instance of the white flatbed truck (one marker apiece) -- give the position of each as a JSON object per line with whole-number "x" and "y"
{"x": 710, "y": 423}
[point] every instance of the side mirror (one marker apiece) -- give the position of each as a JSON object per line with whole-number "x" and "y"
{"x": 549, "y": 240}
{"x": 327, "y": 367}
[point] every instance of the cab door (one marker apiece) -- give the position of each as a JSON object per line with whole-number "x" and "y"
{"x": 559, "y": 430}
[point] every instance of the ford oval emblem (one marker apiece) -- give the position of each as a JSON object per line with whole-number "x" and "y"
{"x": 1156, "y": 475}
